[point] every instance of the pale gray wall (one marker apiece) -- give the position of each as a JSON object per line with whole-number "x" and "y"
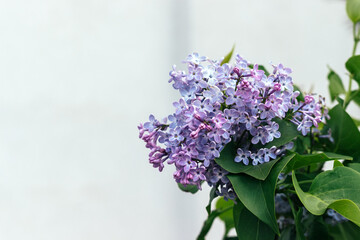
{"x": 76, "y": 78}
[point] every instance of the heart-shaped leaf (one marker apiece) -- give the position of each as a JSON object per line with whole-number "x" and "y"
{"x": 355, "y": 166}
{"x": 336, "y": 189}
{"x": 353, "y": 66}
{"x": 336, "y": 86}
{"x": 249, "y": 227}
{"x": 345, "y": 133}
{"x": 259, "y": 196}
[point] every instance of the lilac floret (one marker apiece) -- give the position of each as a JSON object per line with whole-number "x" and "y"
{"x": 195, "y": 58}
{"x": 242, "y": 156}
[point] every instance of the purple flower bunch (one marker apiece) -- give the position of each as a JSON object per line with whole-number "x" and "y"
{"x": 222, "y": 103}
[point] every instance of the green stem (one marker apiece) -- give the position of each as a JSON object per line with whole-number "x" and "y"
{"x": 226, "y": 233}
{"x": 290, "y": 191}
{"x": 348, "y": 94}
{"x": 311, "y": 140}
{"x": 292, "y": 206}
{"x": 356, "y": 41}
{"x": 209, "y": 221}
{"x": 342, "y": 230}
{"x": 300, "y": 182}
{"x": 305, "y": 181}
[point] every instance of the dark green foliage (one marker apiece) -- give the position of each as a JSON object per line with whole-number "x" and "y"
{"x": 188, "y": 188}
{"x": 336, "y": 86}
{"x": 249, "y": 227}
{"x": 345, "y": 133}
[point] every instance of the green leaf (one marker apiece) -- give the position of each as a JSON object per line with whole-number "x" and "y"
{"x": 355, "y": 96}
{"x": 261, "y": 67}
{"x": 302, "y": 144}
{"x": 336, "y": 86}
{"x": 345, "y": 231}
{"x": 300, "y": 161}
{"x": 353, "y": 66}
{"x": 259, "y": 196}
{"x": 226, "y": 217}
{"x": 316, "y": 228}
{"x": 288, "y": 132}
{"x": 337, "y": 163}
{"x": 340, "y": 100}
{"x": 287, "y": 234}
{"x": 238, "y": 207}
{"x": 207, "y": 225}
{"x": 260, "y": 171}
{"x": 226, "y": 161}
{"x": 228, "y": 56}
{"x": 249, "y": 227}
{"x": 188, "y": 188}
{"x": 345, "y": 133}
{"x": 336, "y": 189}
{"x": 355, "y": 166}
{"x": 357, "y": 122}
{"x": 353, "y": 10}
{"x": 209, "y": 221}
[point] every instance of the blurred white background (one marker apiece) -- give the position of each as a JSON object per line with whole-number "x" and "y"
{"x": 77, "y": 77}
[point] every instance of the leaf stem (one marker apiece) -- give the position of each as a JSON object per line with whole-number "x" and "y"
{"x": 226, "y": 233}
{"x": 209, "y": 221}
{"x": 356, "y": 41}
{"x": 292, "y": 206}
{"x": 300, "y": 182}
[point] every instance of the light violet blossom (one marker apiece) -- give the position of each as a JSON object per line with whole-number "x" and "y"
{"x": 222, "y": 104}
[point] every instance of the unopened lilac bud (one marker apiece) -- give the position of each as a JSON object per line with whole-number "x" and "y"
{"x": 141, "y": 130}
{"x": 308, "y": 99}
{"x": 208, "y": 127}
{"x": 195, "y": 134}
{"x": 189, "y": 176}
{"x": 197, "y": 116}
{"x": 237, "y": 71}
{"x": 202, "y": 126}
{"x": 289, "y": 145}
{"x": 277, "y": 86}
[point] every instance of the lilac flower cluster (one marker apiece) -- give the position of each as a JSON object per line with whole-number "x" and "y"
{"x": 309, "y": 114}
{"x": 222, "y": 103}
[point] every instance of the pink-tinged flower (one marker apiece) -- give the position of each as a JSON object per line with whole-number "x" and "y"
{"x": 220, "y": 104}
{"x": 219, "y": 120}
